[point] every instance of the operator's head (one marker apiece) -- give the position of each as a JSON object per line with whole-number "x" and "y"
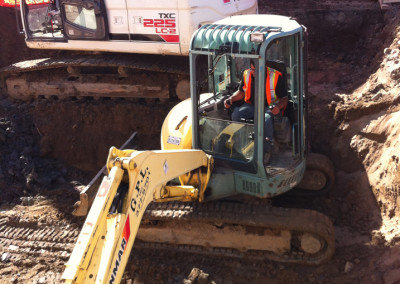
{"x": 252, "y": 67}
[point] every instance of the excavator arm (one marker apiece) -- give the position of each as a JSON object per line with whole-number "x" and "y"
{"x": 105, "y": 241}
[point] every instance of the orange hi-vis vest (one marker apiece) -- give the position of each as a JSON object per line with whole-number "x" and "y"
{"x": 270, "y": 84}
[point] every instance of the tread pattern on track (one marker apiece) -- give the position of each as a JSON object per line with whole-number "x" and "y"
{"x": 295, "y": 220}
{"x": 172, "y": 64}
{"x": 58, "y": 241}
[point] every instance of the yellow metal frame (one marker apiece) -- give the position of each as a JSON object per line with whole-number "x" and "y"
{"x": 106, "y": 239}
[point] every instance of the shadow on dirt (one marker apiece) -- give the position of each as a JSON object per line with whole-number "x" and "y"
{"x": 59, "y": 146}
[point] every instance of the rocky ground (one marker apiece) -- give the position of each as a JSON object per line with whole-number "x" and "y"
{"x": 50, "y": 149}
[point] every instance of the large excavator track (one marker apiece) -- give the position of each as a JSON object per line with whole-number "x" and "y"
{"x": 240, "y": 230}
{"x": 98, "y": 75}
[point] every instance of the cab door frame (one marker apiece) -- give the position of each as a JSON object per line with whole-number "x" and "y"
{"x": 75, "y": 20}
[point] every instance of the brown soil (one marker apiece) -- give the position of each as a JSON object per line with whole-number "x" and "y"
{"x": 51, "y": 149}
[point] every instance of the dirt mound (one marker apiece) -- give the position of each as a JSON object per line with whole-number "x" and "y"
{"x": 23, "y": 170}
{"x": 368, "y": 131}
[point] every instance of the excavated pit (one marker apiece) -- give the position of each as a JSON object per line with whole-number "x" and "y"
{"x": 49, "y": 149}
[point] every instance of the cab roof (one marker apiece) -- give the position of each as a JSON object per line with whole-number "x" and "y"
{"x": 234, "y": 32}
{"x": 287, "y": 24}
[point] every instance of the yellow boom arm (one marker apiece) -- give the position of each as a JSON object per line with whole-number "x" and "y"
{"x": 105, "y": 241}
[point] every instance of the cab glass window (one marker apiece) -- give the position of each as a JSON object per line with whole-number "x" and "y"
{"x": 218, "y": 134}
{"x": 285, "y": 51}
{"x": 80, "y": 16}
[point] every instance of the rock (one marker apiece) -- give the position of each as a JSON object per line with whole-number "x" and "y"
{"x": 13, "y": 248}
{"x": 27, "y": 200}
{"x": 377, "y": 96}
{"x": 395, "y": 72}
{"x": 203, "y": 278}
{"x": 42, "y": 280}
{"x": 194, "y": 274}
{"x": 5, "y": 257}
{"x": 348, "y": 267}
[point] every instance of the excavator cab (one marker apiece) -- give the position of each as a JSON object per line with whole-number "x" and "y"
{"x": 126, "y": 26}
{"x": 60, "y": 20}
{"x": 219, "y": 55}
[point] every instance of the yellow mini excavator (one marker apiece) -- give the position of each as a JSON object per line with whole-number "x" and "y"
{"x": 204, "y": 192}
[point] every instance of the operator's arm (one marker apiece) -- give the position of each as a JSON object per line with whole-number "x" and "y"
{"x": 282, "y": 95}
{"x": 237, "y": 96}
{"x": 280, "y": 105}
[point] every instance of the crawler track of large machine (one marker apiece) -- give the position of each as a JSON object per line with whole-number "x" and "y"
{"x": 93, "y": 75}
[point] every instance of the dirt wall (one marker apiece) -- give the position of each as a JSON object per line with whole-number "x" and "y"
{"x": 80, "y": 133}
{"x": 368, "y": 131}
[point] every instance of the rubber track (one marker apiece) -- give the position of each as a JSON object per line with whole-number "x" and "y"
{"x": 58, "y": 241}
{"x": 168, "y": 64}
{"x": 295, "y": 220}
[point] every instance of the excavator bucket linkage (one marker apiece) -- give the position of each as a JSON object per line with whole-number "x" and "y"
{"x": 107, "y": 236}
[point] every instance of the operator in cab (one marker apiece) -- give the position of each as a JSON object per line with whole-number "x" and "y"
{"x": 276, "y": 101}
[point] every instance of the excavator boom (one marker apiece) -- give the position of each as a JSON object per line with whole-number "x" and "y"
{"x": 107, "y": 236}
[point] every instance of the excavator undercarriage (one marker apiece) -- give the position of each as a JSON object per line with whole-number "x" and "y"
{"x": 250, "y": 228}
{"x": 98, "y": 76}
{"x": 239, "y": 230}
{"x": 218, "y": 227}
